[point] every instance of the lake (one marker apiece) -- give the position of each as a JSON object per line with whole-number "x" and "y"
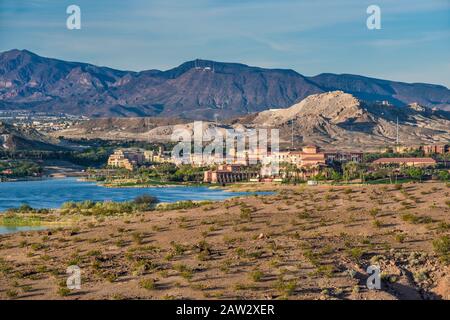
{"x": 6, "y": 230}
{"x": 53, "y": 193}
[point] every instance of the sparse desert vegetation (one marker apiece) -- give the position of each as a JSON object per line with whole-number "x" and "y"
{"x": 299, "y": 243}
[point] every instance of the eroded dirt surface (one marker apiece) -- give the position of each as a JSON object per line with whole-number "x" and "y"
{"x": 302, "y": 243}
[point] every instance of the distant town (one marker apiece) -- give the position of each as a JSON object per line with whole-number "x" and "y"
{"x": 40, "y": 121}
{"x": 143, "y": 163}
{"x": 309, "y": 163}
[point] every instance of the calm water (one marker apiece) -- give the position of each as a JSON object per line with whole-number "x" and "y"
{"x": 6, "y": 230}
{"x": 54, "y": 192}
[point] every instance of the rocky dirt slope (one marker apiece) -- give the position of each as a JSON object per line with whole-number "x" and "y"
{"x": 303, "y": 243}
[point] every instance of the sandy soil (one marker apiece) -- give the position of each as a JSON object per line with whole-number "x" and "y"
{"x": 302, "y": 243}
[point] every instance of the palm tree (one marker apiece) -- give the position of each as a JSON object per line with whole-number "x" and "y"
{"x": 287, "y": 169}
{"x": 350, "y": 168}
{"x": 445, "y": 158}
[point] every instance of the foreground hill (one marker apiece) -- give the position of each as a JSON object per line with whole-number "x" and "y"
{"x": 334, "y": 119}
{"x": 197, "y": 89}
{"x": 303, "y": 243}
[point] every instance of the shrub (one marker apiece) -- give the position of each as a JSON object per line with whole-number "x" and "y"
{"x": 355, "y": 253}
{"x": 38, "y": 246}
{"x": 326, "y": 270}
{"x": 24, "y": 208}
{"x": 415, "y": 219}
{"x": 443, "y": 226}
{"x": 255, "y": 254}
{"x": 400, "y": 237}
{"x": 444, "y": 175}
{"x": 149, "y": 284}
{"x": 377, "y": 223}
{"x": 442, "y": 248}
{"x": 286, "y": 287}
{"x": 27, "y": 288}
{"x": 256, "y": 275}
{"x": 203, "y": 246}
{"x": 303, "y": 215}
{"x": 179, "y": 249}
{"x": 105, "y": 208}
{"x": 374, "y": 212}
{"x": 11, "y": 293}
{"x": 63, "y": 291}
{"x": 121, "y": 243}
{"x": 203, "y": 256}
{"x": 185, "y": 271}
{"x": 180, "y": 205}
{"x": 137, "y": 238}
{"x": 111, "y": 277}
{"x": 246, "y": 214}
{"x": 145, "y": 200}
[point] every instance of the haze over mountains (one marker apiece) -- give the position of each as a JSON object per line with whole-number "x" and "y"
{"x": 194, "y": 90}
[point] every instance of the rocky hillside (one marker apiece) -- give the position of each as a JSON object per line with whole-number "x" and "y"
{"x": 21, "y": 139}
{"x": 338, "y": 119}
{"x": 331, "y": 120}
{"x": 195, "y": 90}
{"x": 139, "y": 129}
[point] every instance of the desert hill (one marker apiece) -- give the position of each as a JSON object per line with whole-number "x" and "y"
{"x": 332, "y": 120}
{"x": 341, "y": 120}
{"x": 17, "y": 139}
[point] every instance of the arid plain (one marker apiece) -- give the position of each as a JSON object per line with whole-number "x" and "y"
{"x": 299, "y": 243}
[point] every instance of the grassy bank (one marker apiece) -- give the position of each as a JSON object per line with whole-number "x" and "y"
{"x": 73, "y": 212}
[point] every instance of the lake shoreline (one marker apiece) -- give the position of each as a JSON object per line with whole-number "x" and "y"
{"x": 44, "y": 177}
{"x": 56, "y": 192}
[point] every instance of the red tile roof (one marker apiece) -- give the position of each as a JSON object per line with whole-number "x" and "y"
{"x": 403, "y": 160}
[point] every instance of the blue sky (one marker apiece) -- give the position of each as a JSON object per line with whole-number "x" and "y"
{"x": 310, "y": 37}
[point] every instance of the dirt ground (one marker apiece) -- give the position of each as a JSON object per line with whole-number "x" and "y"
{"x": 301, "y": 243}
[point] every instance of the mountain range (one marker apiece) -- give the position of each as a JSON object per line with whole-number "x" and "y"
{"x": 198, "y": 89}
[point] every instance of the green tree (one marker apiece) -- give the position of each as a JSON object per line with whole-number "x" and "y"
{"x": 350, "y": 170}
{"x": 415, "y": 173}
{"x": 334, "y": 175}
{"x": 444, "y": 175}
